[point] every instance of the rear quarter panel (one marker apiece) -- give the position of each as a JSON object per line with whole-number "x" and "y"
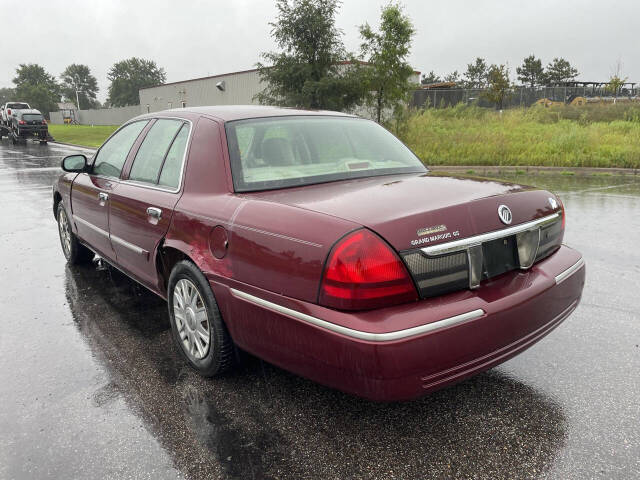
{"x": 275, "y": 247}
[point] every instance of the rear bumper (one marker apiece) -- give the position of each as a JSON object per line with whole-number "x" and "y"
{"x": 403, "y": 352}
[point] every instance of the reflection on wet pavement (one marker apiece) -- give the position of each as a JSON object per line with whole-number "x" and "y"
{"x": 92, "y": 385}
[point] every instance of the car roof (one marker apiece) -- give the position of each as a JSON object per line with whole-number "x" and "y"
{"x": 241, "y": 112}
{"x": 30, "y": 111}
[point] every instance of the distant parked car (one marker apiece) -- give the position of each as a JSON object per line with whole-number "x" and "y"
{"x": 320, "y": 243}
{"x": 28, "y": 123}
{"x": 9, "y": 109}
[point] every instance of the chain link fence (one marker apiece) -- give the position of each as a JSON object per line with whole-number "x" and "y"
{"x": 517, "y": 97}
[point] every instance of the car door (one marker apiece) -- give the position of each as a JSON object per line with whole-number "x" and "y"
{"x": 141, "y": 208}
{"x": 91, "y": 191}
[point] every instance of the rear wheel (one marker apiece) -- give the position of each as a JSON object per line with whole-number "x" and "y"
{"x": 73, "y": 250}
{"x": 196, "y": 324}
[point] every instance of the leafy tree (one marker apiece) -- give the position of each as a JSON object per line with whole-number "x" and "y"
{"x": 531, "y": 72}
{"x": 430, "y": 78}
{"x": 312, "y": 69}
{"x": 37, "y": 87}
{"x": 452, "y": 77}
{"x": 560, "y": 70}
{"x": 615, "y": 85}
{"x": 128, "y": 76}
{"x": 476, "y": 74}
{"x": 616, "y": 81}
{"x": 78, "y": 78}
{"x": 388, "y": 76}
{"x": 499, "y": 85}
{"x": 7, "y": 95}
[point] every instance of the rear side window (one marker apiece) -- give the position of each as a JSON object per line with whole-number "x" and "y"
{"x": 172, "y": 168}
{"x": 150, "y": 157}
{"x": 111, "y": 157}
{"x": 154, "y": 150}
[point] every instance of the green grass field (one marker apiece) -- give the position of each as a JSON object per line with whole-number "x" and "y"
{"x": 81, "y": 134}
{"x": 589, "y": 136}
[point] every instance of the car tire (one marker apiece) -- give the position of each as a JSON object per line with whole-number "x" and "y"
{"x": 72, "y": 249}
{"x": 192, "y": 307}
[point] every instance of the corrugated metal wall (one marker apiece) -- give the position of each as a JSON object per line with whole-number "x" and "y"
{"x": 103, "y": 116}
{"x": 239, "y": 89}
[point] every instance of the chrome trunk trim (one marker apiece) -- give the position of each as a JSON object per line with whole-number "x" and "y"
{"x": 465, "y": 243}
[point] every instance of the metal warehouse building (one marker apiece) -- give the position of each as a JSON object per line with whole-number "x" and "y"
{"x": 237, "y": 88}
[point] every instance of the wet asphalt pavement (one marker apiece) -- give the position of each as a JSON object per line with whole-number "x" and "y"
{"x": 92, "y": 387}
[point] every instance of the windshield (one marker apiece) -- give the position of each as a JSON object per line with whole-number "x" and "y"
{"x": 279, "y": 152}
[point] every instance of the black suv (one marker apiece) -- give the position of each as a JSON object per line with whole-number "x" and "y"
{"x": 28, "y": 123}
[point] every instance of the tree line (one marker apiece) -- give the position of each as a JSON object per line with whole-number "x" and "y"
{"x": 76, "y": 84}
{"x": 531, "y": 73}
{"x": 311, "y": 69}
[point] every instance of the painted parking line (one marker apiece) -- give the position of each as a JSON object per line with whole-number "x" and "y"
{"x": 595, "y": 189}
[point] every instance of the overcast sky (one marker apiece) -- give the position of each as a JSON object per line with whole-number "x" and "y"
{"x": 192, "y": 39}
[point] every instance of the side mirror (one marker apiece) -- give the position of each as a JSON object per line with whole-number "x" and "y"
{"x": 74, "y": 163}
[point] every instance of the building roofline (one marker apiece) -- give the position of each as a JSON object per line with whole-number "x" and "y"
{"x": 345, "y": 62}
{"x": 201, "y": 78}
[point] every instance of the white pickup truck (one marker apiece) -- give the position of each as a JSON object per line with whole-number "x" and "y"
{"x": 9, "y": 109}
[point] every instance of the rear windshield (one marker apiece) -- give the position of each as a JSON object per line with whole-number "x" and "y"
{"x": 279, "y": 152}
{"x": 17, "y": 106}
{"x": 30, "y": 117}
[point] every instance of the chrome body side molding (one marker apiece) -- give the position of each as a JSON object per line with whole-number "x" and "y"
{"x": 128, "y": 245}
{"x": 91, "y": 226}
{"x": 570, "y": 271}
{"x": 359, "y": 334}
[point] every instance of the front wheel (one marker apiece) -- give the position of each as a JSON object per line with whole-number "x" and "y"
{"x": 196, "y": 324}
{"x": 73, "y": 250}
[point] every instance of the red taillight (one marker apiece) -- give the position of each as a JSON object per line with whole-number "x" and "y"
{"x": 363, "y": 272}
{"x": 44, "y": 122}
{"x": 8, "y": 111}
{"x": 562, "y": 212}
{"x": 21, "y": 122}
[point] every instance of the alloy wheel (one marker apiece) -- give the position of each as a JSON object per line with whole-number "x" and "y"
{"x": 192, "y": 321}
{"x": 65, "y": 233}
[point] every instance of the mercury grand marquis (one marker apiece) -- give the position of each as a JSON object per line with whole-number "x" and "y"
{"x": 318, "y": 242}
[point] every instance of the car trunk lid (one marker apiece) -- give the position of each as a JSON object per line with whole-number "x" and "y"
{"x": 418, "y": 210}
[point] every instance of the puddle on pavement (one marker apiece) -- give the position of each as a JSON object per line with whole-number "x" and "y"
{"x": 262, "y": 422}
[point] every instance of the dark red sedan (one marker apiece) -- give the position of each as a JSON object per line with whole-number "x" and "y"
{"x": 320, "y": 243}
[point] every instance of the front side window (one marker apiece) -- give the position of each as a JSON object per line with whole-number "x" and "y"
{"x": 280, "y": 152}
{"x": 151, "y": 154}
{"x": 111, "y": 157}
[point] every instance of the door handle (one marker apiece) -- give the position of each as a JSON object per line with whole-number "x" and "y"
{"x": 103, "y": 196}
{"x": 154, "y": 212}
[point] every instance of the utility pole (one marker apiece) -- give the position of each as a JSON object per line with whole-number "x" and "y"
{"x": 77, "y": 96}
